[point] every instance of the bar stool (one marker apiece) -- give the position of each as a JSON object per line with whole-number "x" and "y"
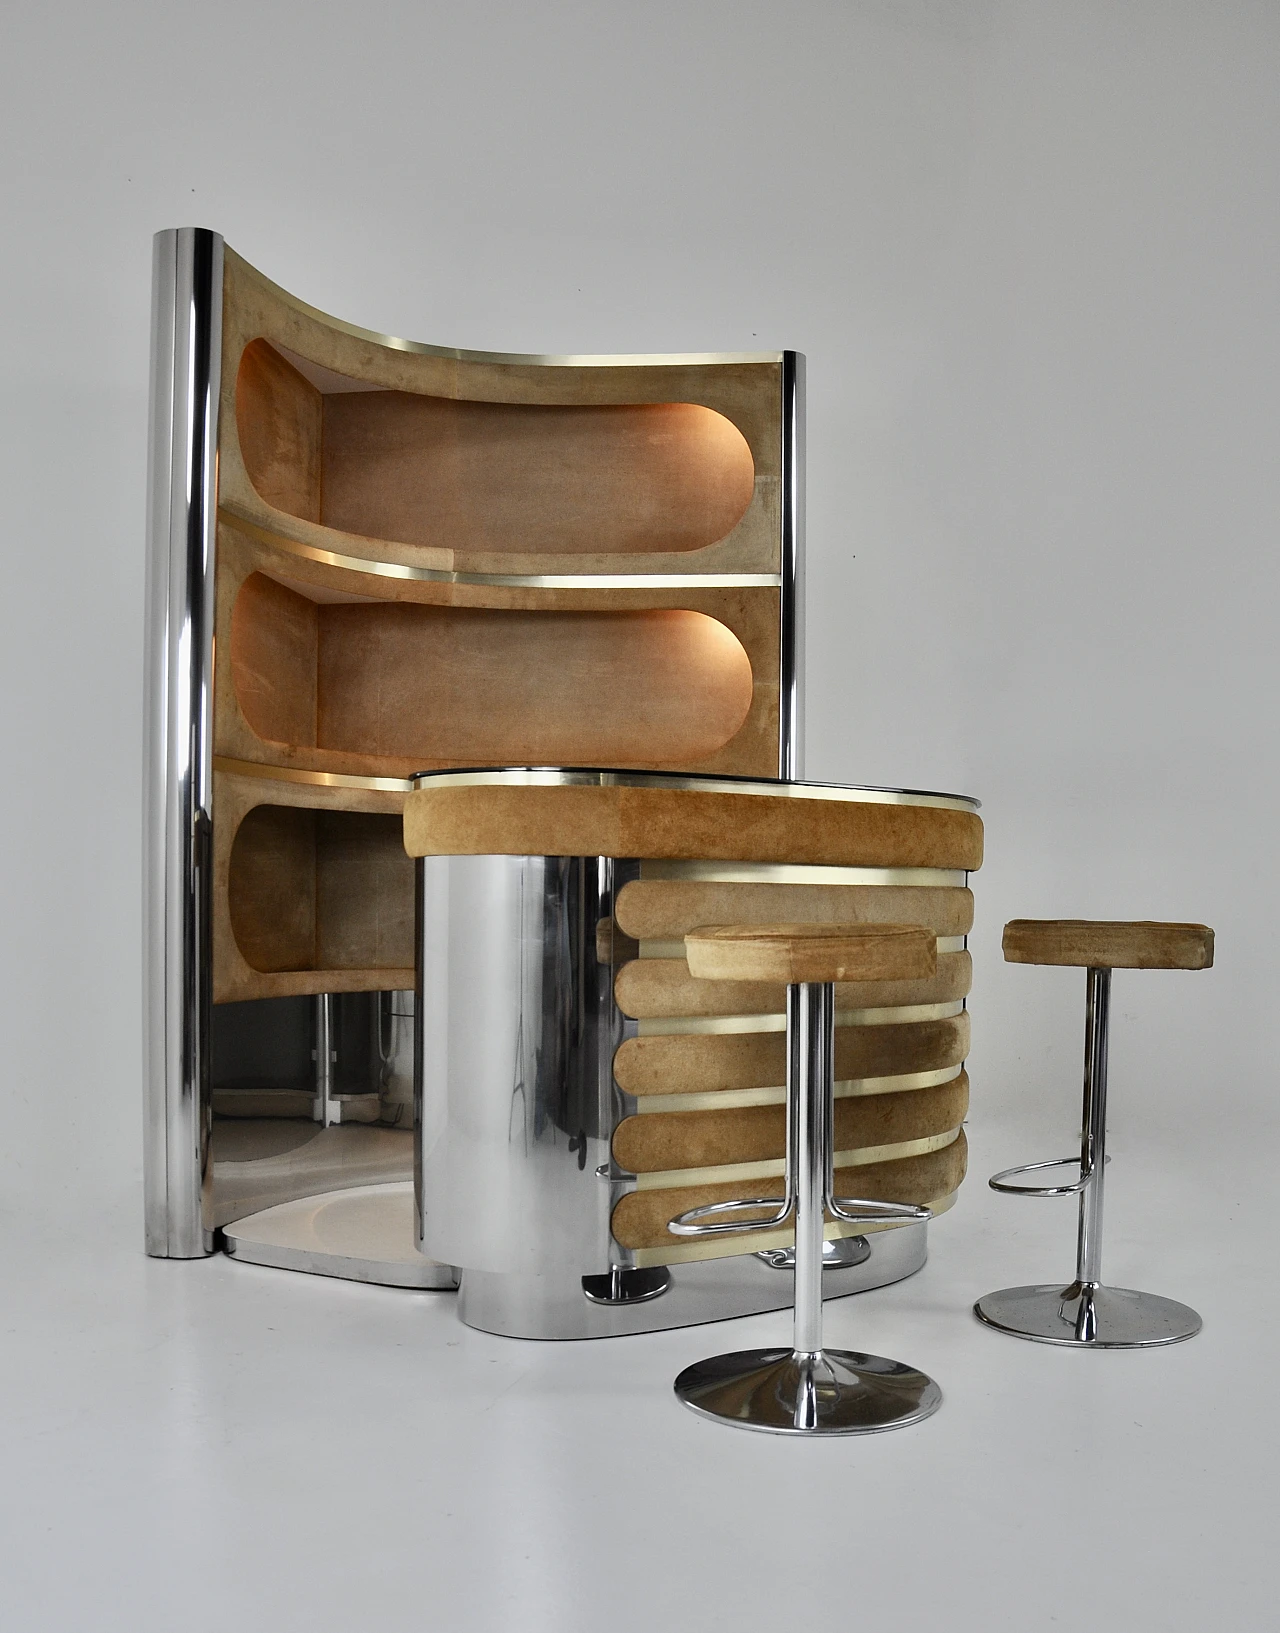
{"x": 807, "y": 1390}
{"x": 1087, "y": 1313}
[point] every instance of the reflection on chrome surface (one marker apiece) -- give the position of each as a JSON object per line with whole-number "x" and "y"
{"x": 268, "y": 1143}
{"x": 518, "y": 1029}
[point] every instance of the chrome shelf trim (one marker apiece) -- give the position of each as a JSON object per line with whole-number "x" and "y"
{"x": 186, "y": 351}
{"x": 707, "y": 783}
{"x": 528, "y": 581}
{"x": 788, "y": 873}
{"x": 318, "y": 779}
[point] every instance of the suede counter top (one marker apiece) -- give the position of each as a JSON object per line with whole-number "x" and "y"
{"x": 682, "y": 824}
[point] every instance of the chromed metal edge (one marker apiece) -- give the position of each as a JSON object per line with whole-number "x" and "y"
{"x": 186, "y": 353}
{"x": 543, "y": 359}
{"x": 528, "y": 581}
{"x": 791, "y": 643}
{"x": 706, "y": 783}
{"x": 804, "y": 873}
{"x": 317, "y": 779}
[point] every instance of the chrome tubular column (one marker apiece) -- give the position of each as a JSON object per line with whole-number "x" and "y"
{"x": 791, "y": 645}
{"x": 323, "y": 1108}
{"x": 186, "y": 331}
{"x": 1093, "y": 1128}
{"x": 810, "y": 1019}
{"x": 1087, "y": 1314}
{"x": 806, "y": 1390}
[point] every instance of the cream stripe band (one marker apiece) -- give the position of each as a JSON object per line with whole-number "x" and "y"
{"x": 732, "y": 1099}
{"x": 670, "y": 1179}
{"x": 676, "y": 949}
{"x": 680, "y": 1026}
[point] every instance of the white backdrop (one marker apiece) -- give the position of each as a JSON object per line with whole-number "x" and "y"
{"x": 1030, "y": 251}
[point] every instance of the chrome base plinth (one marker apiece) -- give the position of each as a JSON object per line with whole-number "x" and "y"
{"x": 364, "y": 1233}
{"x": 1088, "y": 1317}
{"x": 621, "y": 1286}
{"x": 839, "y": 1254}
{"x": 559, "y": 1306}
{"x": 835, "y": 1392}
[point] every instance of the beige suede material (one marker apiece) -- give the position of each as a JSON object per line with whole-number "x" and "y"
{"x": 654, "y": 1143}
{"x": 816, "y": 953}
{"x": 1113, "y": 945}
{"x": 651, "y": 988}
{"x": 686, "y": 824}
{"x": 701, "y": 1062}
{"x": 667, "y": 909}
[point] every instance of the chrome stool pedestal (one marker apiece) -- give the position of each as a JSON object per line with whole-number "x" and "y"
{"x": 807, "y": 1390}
{"x": 1087, "y": 1314}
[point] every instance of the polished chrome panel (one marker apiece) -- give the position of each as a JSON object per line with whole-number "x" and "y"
{"x": 1086, "y": 1314}
{"x": 703, "y": 783}
{"x": 518, "y": 1031}
{"x": 186, "y": 327}
{"x": 791, "y": 644}
{"x": 553, "y": 1305}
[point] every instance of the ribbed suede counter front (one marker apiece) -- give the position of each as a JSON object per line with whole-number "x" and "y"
{"x": 682, "y": 824}
{"x": 673, "y": 958}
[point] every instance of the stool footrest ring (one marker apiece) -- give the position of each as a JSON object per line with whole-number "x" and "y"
{"x": 1000, "y": 1181}
{"x": 704, "y": 1221}
{"x": 853, "y": 1210}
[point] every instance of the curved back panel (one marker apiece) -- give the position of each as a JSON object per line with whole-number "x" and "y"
{"x": 423, "y": 557}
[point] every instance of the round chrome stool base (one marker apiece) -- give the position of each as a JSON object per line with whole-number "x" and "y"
{"x": 842, "y": 1254}
{"x": 832, "y": 1392}
{"x": 1088, "y": 1316}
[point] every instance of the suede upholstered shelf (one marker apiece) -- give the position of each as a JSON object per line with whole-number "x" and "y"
{"x": 433, "y": 558}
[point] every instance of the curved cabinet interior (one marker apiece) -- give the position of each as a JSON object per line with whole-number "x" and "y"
{"x": 309, "y": 890}
{"x": 422, "y": 686}
{"x": 494, "y": 477}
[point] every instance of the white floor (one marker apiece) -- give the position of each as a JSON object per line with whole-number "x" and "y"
{"x": 212, "y": 1446}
